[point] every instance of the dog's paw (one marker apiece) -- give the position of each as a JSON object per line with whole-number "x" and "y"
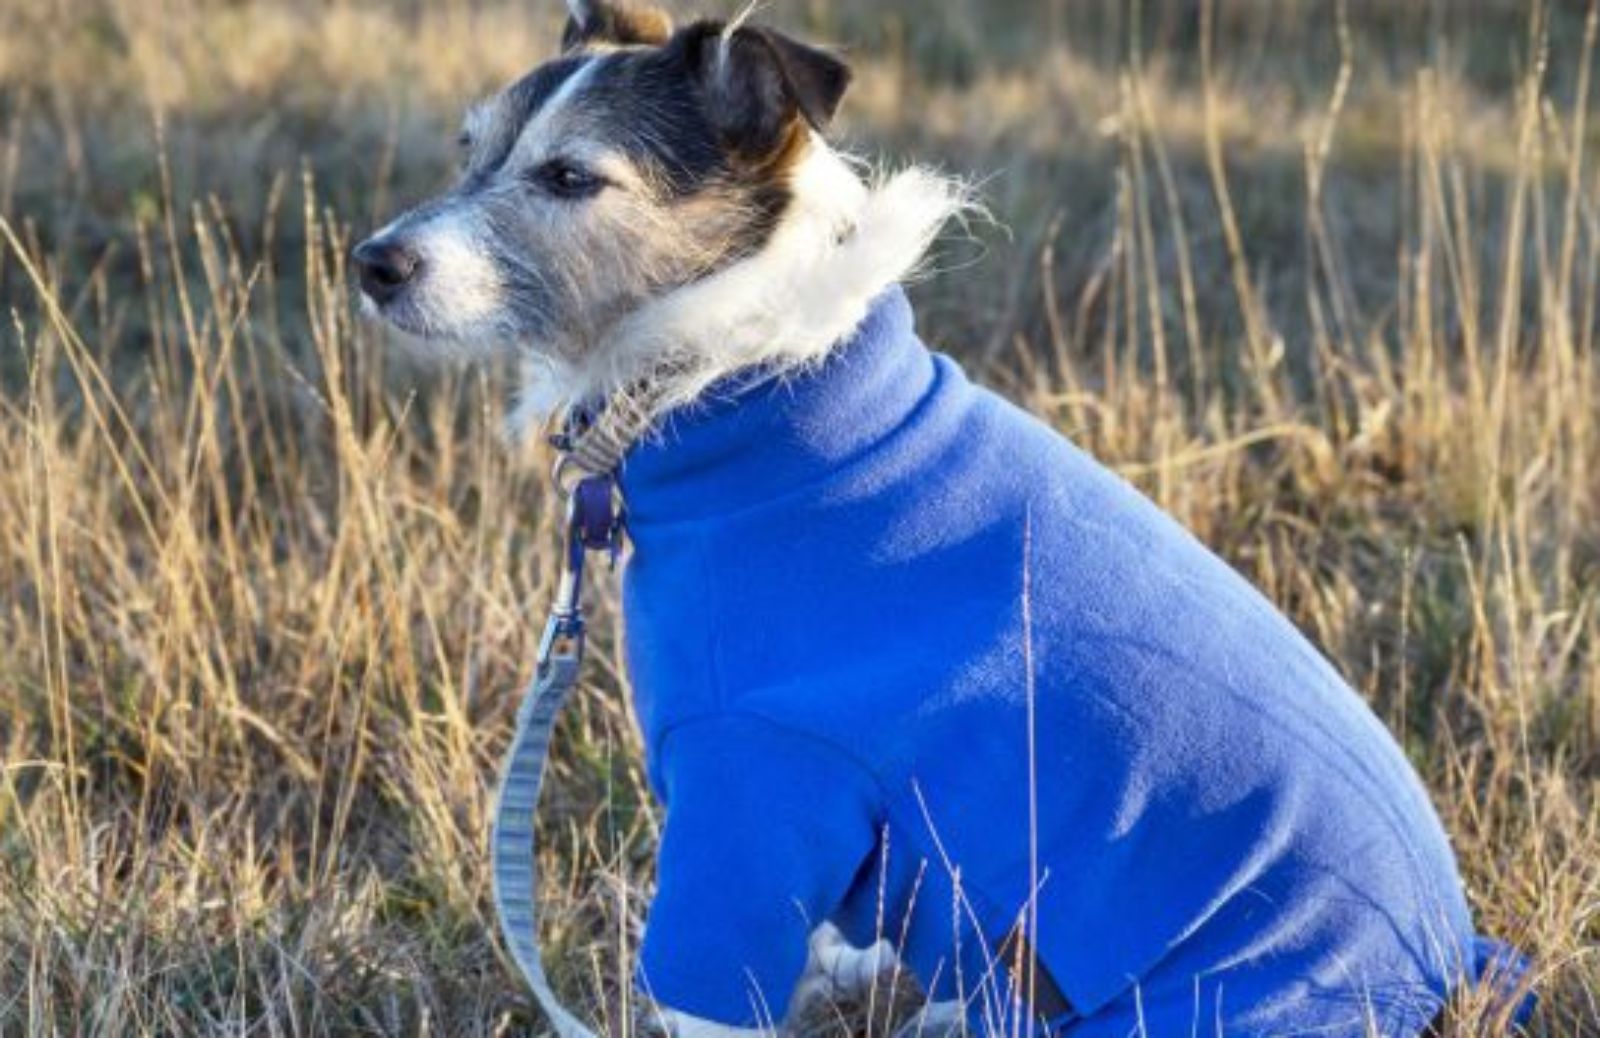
{"x": 841, "y": 980}
{"x": 837, "y": 969}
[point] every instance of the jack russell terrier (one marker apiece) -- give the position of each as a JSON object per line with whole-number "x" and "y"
{"x": 909, "y": 665}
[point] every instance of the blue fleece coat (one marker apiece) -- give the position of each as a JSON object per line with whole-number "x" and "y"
{"x": 909, "y": 661}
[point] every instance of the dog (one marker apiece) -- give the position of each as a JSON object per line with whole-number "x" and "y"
{"x": 918, "y": 679}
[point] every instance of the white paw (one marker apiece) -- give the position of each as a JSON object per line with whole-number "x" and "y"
{"x": 837, "y": 969}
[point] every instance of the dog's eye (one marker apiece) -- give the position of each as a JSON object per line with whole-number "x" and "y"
{"x": 566, "y": 180}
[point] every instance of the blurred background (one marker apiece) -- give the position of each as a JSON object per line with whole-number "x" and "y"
{"x": 1319, "y": 276}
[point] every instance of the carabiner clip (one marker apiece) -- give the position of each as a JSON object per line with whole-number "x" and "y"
{"x": 594, "y": 523}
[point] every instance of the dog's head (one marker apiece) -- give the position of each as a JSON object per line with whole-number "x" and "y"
{"x": 641, "y": 160}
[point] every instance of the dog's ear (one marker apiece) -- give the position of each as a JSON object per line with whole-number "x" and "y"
{"x": 615, "y": 21}
{"x": 757, "y": 82}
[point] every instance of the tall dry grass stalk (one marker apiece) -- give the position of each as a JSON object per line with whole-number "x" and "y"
{"x": 266, "y": 603}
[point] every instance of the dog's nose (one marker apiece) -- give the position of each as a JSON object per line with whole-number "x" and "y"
{"x": 385, "y": 267}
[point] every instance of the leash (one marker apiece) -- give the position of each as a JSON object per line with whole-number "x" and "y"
{"x": 590, "y": 451}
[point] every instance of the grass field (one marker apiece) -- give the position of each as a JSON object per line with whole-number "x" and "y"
{"x": 1322, "y": 278}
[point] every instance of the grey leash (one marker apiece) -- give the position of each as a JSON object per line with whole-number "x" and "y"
{"x": 593, "y": 524}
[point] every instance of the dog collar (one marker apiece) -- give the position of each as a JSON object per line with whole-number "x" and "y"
{"x": 594, "y": 437}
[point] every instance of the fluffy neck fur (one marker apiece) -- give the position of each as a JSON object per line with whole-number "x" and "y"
{"x": 839, "y": 246}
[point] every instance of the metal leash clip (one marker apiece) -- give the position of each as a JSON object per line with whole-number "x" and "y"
{"x": 594, "y": 524}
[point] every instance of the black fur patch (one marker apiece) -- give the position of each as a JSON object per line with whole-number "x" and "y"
{"x": 758, "y": 82}
{"x": 696, "y": 121}
{"x": 656, "y": 106}
{"x": 651, "y": 109}
{"x": 815, "y": 79}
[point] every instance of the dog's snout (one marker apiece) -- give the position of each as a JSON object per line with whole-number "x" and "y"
{"x": 385, "y": 268}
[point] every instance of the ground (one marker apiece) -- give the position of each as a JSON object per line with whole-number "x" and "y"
{"x": 1321, "y": 278}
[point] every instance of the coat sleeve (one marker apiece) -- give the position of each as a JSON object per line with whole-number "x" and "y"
{"x": 766, "y": 830}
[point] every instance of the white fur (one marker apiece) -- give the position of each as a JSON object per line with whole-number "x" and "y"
{"x": 839, "y": 246}
{"x": 543, "y": 135}
{"x": 460, "y": 295}
{"x": 452, "y": 243}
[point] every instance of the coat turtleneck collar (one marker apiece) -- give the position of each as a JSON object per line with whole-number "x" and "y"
{"x": 753, "y": 438}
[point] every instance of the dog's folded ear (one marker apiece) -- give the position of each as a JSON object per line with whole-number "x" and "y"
{"x": 616, "y": 22}
{"x": 758, "y": 82}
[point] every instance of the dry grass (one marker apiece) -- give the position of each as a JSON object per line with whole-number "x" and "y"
{"x": 267, "y": 595}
